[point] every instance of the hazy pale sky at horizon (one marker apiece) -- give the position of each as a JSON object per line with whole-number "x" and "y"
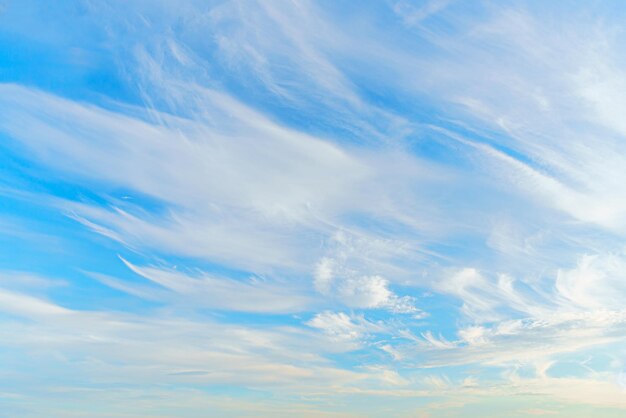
{"x": 291, "y": 208}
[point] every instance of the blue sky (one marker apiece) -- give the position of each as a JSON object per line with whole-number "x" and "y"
{"x": 319, "y": 209}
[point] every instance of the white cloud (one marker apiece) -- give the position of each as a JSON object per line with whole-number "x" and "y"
{"x": 510, "y": 322}
{"x": 117, "y": 347}
{"x": 365, "y": 292}
{"x": 597, "y": 282}
{"x": 368, "y": 292}
{"x": 323, "y": 275}
{"x": 339, "y": 325}
{"x": 342, "y": 274}
{"x": 437, "y": 342}
{"x": 208, "y": 291}
{"x": 248, "y": 192}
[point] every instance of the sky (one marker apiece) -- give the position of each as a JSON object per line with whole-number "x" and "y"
{"x": 287, "y": 208}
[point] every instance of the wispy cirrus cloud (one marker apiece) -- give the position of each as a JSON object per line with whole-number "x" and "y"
{"x": 318, "y": 209}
